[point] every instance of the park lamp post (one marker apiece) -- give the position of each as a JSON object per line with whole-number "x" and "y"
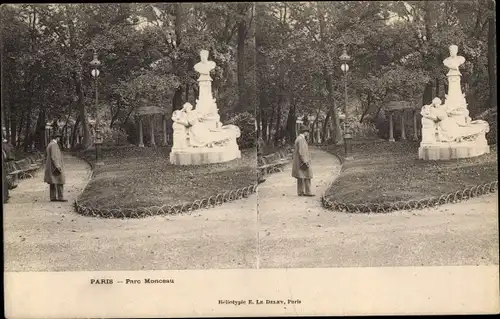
{"x": 95, "y": 64}
{"x": 345, "y": 59}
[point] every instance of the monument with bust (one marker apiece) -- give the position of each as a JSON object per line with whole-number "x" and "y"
{"x": 199, "y": 136}
{"x": 447, "y": 130}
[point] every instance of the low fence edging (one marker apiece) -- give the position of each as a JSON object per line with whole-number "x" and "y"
{"x": 467, "y": 193}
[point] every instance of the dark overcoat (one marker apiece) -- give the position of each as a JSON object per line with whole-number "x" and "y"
{"x": 54, "y": 165}
{"x": 300, "y": 156}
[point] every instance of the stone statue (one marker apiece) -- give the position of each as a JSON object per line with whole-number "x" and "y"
{"x": 448, "y": 125}
{"x": 199, "y": 136}
{"x": 429, "y": 127}
{"x": 190, "y": 130}
{"x": 180, "y": 136}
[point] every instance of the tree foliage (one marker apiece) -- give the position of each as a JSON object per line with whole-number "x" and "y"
{"x": 278, "y": 60}
{"x": 397, "y": 49}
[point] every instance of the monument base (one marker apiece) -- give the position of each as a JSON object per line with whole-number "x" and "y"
{"x": 204, "y": 155}
{"x": 454, "y": 150}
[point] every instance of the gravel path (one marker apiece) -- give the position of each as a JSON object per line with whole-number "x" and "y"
{"x": 44, "y": 236}
{"x": 288, "y": 231}
{"x": 304, "y": 235}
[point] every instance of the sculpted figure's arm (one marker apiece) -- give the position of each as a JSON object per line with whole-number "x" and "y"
{"x": 427, "y": 113}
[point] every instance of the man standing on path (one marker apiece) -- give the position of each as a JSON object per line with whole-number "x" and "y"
{"x": 301, "y": 166}
{"x": 5, "y": 184}
{"x": 54, "y": 170}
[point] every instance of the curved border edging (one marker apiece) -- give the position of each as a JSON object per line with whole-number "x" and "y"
{"x": 155, "y": 210}
{"x": 367, "y": 208}
{"x": 142, "y": 212}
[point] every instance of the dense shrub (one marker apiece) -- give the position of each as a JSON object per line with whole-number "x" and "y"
{"x": 246, "y": 122}
{"x": 115, "y": 136}
{"x": 364, "y": 130}
{"x": 490, "y": 116}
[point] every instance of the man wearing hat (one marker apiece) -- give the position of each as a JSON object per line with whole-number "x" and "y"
{"x": 301, "y": 168}
{"x": 54, "y": 170}
{"x": 5, "y": 184}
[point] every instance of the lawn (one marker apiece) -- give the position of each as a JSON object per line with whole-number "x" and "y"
{"x": 383, "y": 172}
{"x": 135, "y": 177}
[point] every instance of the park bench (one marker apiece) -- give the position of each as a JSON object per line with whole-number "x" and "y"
{"x": 13, "y": 174}
{"x": 27, "y": 169}
{"x": 275, "y": 161}
{"x": 35, "y": 160}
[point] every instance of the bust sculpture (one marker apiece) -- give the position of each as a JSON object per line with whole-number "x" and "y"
{"x": 204, "y": 66}
{"x": 454, "y": 61}
{"x": 206, "y": 104}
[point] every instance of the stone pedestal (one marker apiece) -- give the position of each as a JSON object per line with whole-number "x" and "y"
{"x": 205, "y": 155}
{"x": 449, "y": 151}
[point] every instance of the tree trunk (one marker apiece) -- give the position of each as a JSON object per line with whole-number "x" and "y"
{"x": 19, "y": 130}
{"x": 252, "y": 97}
{"x": 115, "y": 116}
{"x": 259, "y": 60}
{"x": 75, "y": 131}
{"x": 290, "y": 124}
{"x": 269, "y": 126}
{"x": 7, "y": 123}
{"x": 13, "y": 129}
{"x": 40, "y": 130}
{"x": 367, "y": 108}
{"x": 278, "y": 124}
{"x": 325, "y": 124}
{"x": 337, "y": 133}
{"x": 437, "y": 88}
{"x": 195, "y": 92}
{"x": 427, "y": 97}
{"x": 81, "y": 107}
{"x": 177, "y": 100}
{"x": 492, "y": 55}
{"x": 263, "y": 122}
{"x": 178, "y": 23}
{"x": 28, "y": 135}
{"x": 241, "y": 59}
